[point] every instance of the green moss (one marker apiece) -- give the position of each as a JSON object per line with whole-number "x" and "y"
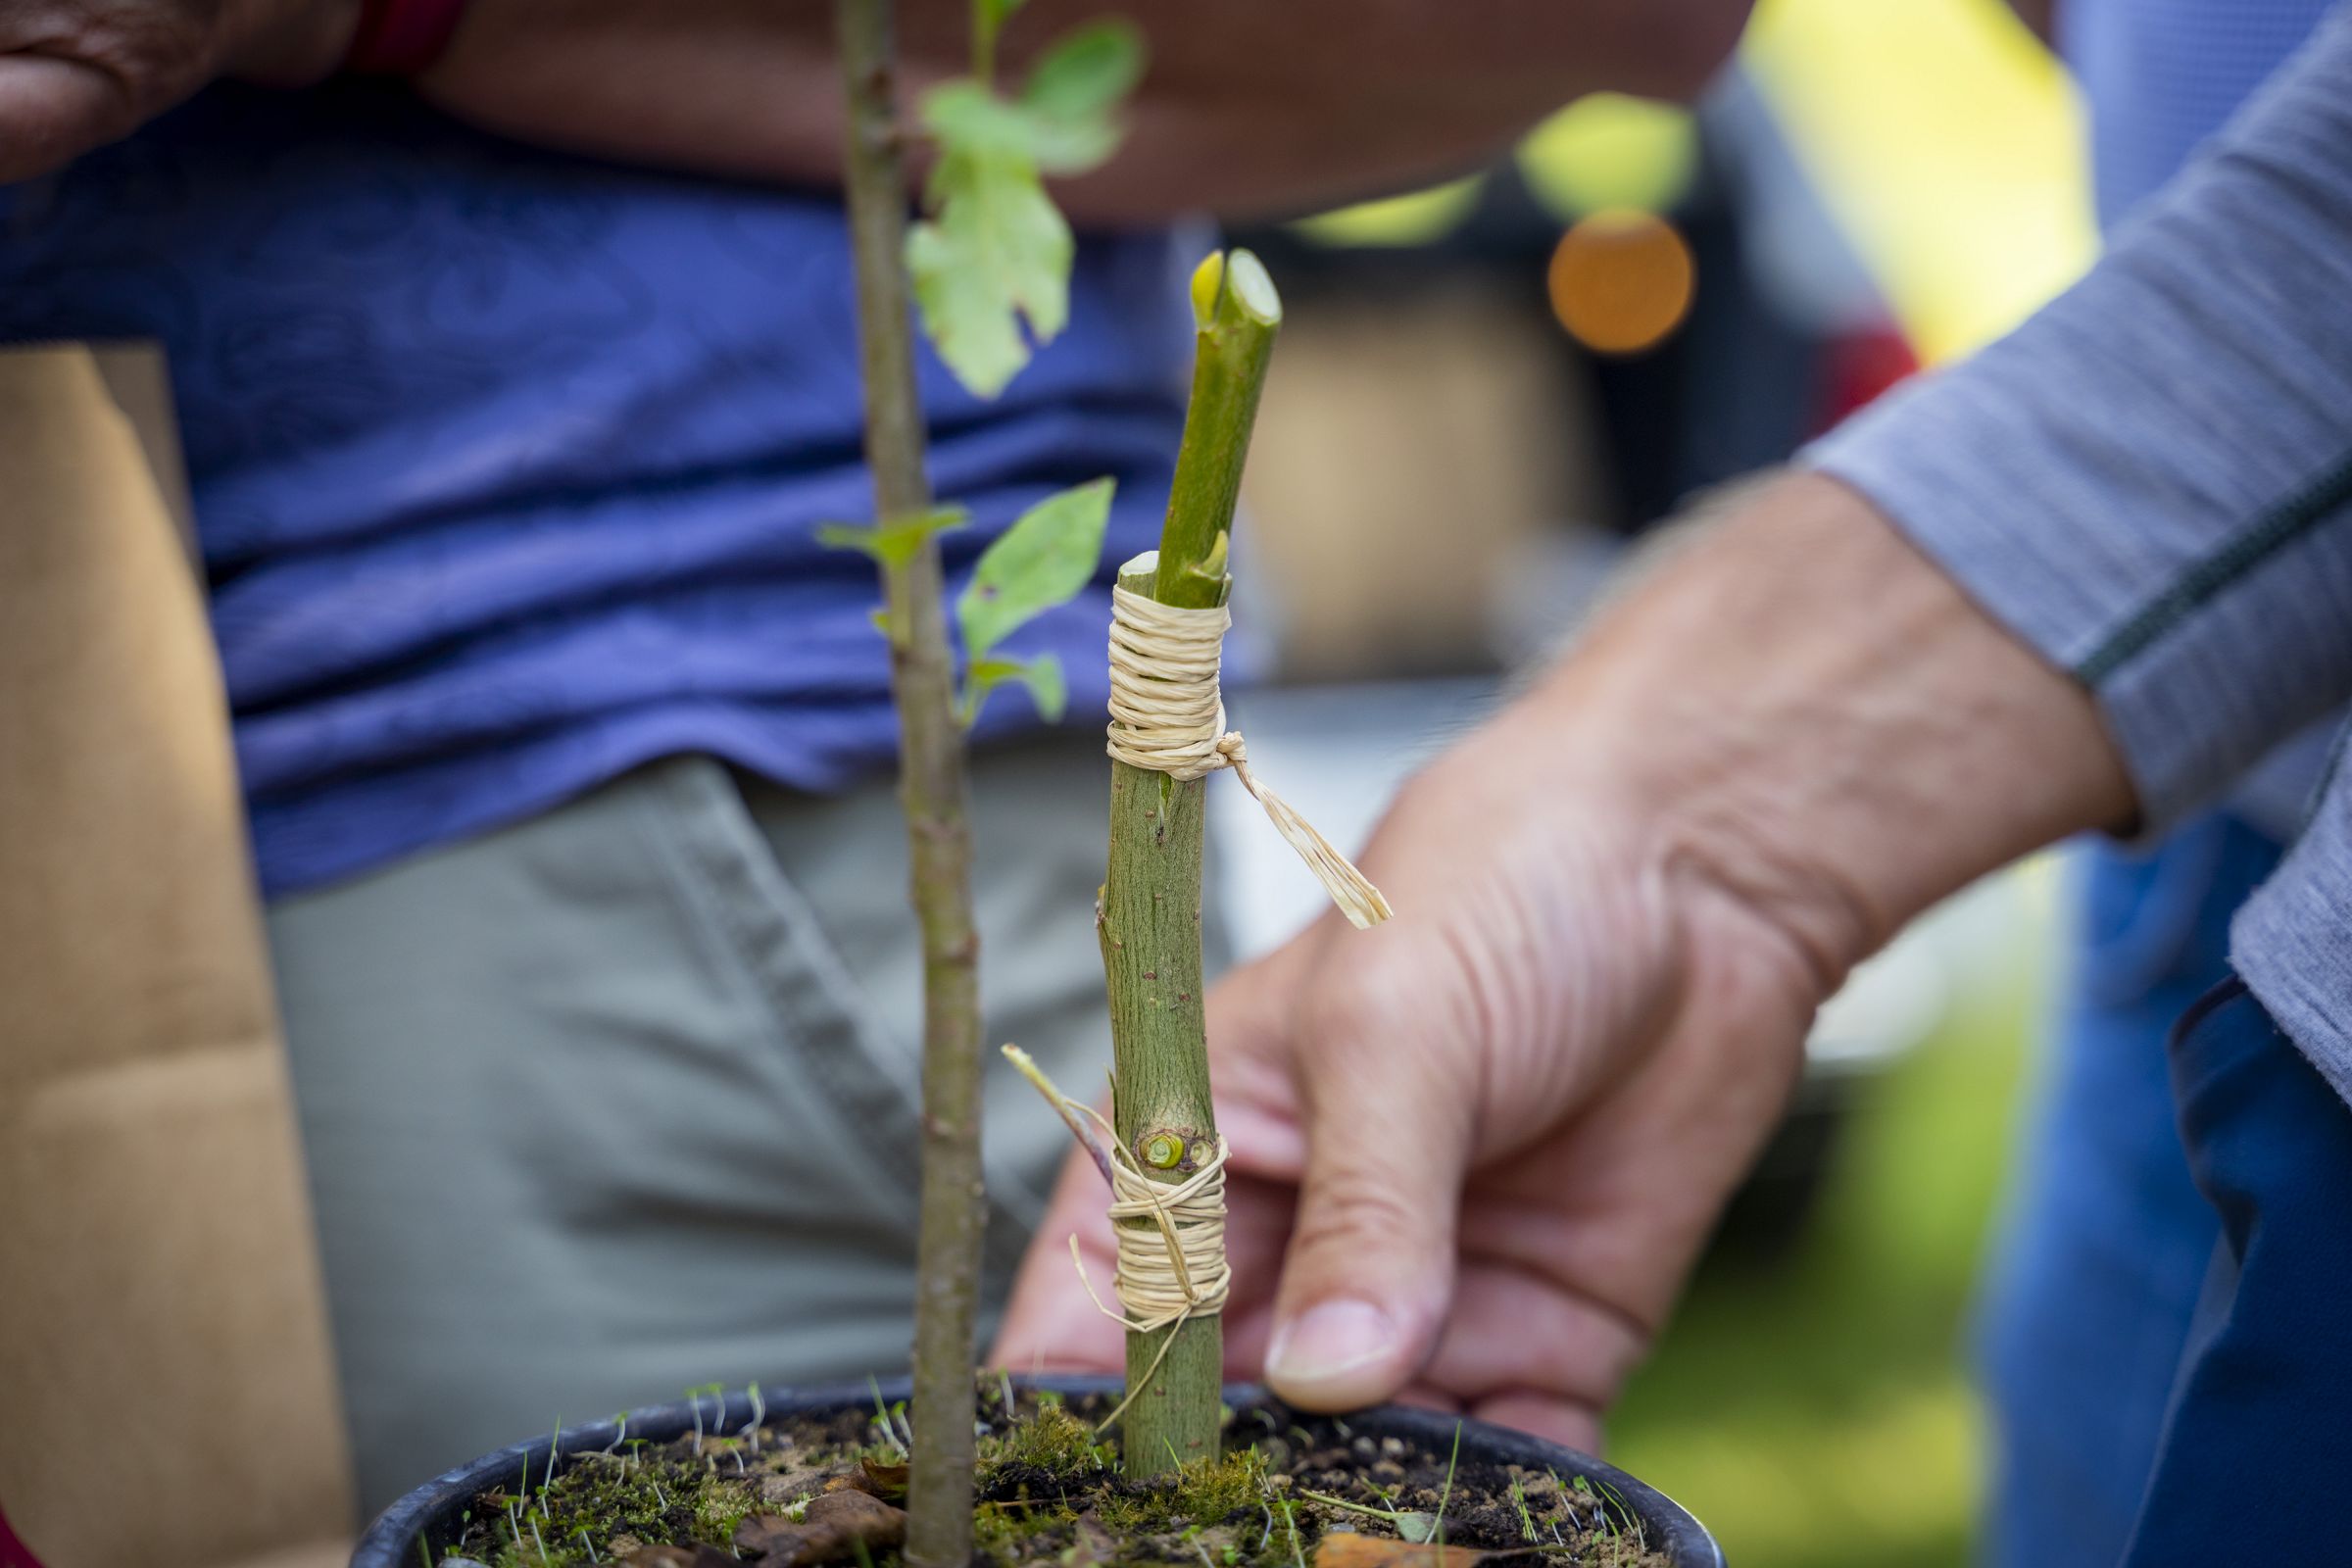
{"x": 1051, "y": 1443}
{"x": 1012, "y": 1532}
{"x": 1198, "y": 1495}
{"x": 1208, "y": 1492}
{"x": 661, "y": 1496}
{"x": 1051, "y": 1496}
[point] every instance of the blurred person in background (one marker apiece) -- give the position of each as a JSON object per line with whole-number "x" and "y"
{"x": 2094, "y": 1289}
{"x": 2099, "y": 576}
{"x": 565, "y": 743}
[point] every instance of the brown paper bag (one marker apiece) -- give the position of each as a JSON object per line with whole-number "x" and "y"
{"x": 167, "y": 1394}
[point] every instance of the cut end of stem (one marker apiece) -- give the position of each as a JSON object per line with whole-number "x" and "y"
{"x": 1236, "y": 283}
{"x": 1252, "y": 289}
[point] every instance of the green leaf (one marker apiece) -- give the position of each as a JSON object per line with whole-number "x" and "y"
{"x": 1041, "y": 674}
{"x": 971, "y": 120}
{"x": 1073, "y": 94}
{"x": 1044, "y": 560}
{"x": 1086, "y": 73}
{"x": 894, "y": 543}
{"x": 1052, "y": 693}
{"x": 992, "y": 253}
{"x": 997, "y": 254}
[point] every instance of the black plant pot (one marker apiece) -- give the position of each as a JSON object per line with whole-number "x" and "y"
{"x": 433, "y": 1510}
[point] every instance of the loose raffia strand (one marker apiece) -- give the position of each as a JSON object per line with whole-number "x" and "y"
{"x": 1167, "y": 715}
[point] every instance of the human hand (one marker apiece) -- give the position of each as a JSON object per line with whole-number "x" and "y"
{"x": 78, "y": 73}
{"x": 1474, "y": 1151}
{"x": 1475, "y": 1148}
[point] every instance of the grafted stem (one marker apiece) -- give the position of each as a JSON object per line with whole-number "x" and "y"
{"x": 932, "y": 791}
{"x": 1149, "y": 914}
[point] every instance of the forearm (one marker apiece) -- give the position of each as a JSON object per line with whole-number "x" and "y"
{"x": 1246, "y": 110}
{"x": 1820, "y": 723}
{"x": 2151, "y": 482}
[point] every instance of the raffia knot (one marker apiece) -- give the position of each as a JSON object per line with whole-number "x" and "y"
{"x": 1171, "y": 1244}
{"x": 1168, "y": 715}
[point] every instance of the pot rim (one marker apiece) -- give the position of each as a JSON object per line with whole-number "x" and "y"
{"x": 428, "y": 1511}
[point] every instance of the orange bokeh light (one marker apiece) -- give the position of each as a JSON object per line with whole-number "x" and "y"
{"x": 1621, "y": 280}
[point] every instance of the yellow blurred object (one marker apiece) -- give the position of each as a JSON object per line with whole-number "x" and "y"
{"x": 1416, "y": 217}
{"x": 1620, "y": 280}
{"x": 1610, "y": 150}
{"x": 1949, "y": 145}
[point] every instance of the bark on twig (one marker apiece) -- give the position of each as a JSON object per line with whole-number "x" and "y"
{"x": 932, "y": 791}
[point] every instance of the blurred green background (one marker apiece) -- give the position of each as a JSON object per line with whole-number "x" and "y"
{"x": 1816, "y": 1409}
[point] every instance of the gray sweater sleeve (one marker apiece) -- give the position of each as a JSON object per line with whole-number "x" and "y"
{"x": 2151, "y": 480}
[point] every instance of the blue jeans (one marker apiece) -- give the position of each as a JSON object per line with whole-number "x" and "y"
{"x": 2106, "y": 1381}
{"x": 2250, "y": 1460}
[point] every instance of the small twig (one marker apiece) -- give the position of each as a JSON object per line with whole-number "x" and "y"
{"x": 1063, "y": 1106}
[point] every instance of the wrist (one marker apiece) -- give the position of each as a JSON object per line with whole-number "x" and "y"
{"x": 1811, "y": 717}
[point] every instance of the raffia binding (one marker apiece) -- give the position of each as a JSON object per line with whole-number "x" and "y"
{"x": 1167, "y": 715}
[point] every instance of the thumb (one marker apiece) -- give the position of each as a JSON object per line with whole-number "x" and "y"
{"x": 1370, "y": 1271}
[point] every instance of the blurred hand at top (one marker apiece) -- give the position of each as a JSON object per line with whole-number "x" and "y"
{"x": 1475, "y": 1151}
{"x": 78, "y": 73}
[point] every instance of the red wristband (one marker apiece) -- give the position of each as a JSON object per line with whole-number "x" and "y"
{"x": 401, "y": 37}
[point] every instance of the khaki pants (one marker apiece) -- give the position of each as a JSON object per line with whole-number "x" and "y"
{"x": 622, "y": 1100}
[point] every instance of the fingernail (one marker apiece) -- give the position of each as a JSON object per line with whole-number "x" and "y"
{"x": 1314, "y": 1356}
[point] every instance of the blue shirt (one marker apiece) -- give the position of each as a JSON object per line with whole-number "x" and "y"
{"x": 507, "y": 465}
{"x": 2162, "y": 78}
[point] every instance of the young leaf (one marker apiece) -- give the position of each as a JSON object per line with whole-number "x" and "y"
{"x": 992, "y": 253}
{"x": 893, "y": 543}
{"x": 1041, "y": 674}
{"x": 1046, "y": 689}
{"x": 1042, "y": 560}
{"x": 1072, "y": 96}
{"x": 1082, "y": 79}
{"x": 997, "y": 254}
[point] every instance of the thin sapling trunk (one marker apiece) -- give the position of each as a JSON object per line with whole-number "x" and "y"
{"x": 932, "y": 791}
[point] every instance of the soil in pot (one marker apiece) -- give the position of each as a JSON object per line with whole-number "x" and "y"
{"x": 1291, "y": 1492}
